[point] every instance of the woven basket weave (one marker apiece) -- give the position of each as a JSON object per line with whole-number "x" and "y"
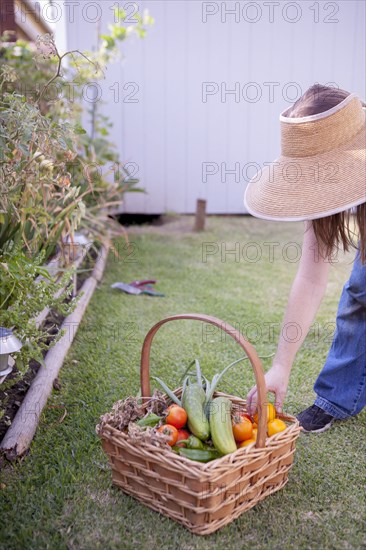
{"x": 202, "y": 497}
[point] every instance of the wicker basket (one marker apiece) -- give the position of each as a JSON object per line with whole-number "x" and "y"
{"x": 202, "y": 497}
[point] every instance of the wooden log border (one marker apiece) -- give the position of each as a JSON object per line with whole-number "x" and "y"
{"x": 19, "y": 436}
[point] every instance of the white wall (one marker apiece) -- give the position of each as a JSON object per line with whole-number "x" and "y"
{"x": 170, "y": 132}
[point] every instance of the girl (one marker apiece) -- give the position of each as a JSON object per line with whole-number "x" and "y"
{"x": 320, "y": 179}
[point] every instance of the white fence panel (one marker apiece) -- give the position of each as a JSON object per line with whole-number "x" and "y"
{"x": 252, "y": 58}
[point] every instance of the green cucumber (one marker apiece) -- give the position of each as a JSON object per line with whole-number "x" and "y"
{"x": 221, "y": 426}
{"x": 193, "y": 401}
{"x": 149, "y": 421}
{"x": 192, "y": 442}
{"x": 199, "y": 455}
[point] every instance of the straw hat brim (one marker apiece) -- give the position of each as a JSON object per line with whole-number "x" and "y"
{"x": 306, "y": 188}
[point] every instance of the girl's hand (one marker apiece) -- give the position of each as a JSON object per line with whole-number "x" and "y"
{"x": 276, "y": 379}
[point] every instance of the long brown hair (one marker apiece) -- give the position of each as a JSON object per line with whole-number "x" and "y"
{"x": 340, "y": 230}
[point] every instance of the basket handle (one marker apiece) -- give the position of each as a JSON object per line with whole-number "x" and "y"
{"x": 238, "y": 337}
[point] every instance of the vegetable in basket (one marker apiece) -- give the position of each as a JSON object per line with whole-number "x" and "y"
{"x": 275, "y": 426}
{"x": 199, "y": 455}
{"x": 171, "y": 432}
{"x": 221, "y": 425}
{"x": 206, "y": 415}
{"x": 176, "y": 416}
{"x": 197, "y": 397}
{"x": 183, "y": 435}
{"x": 193, "y": 401}
{"x": 242, "y": 427}
{"x": 192, "y": 442}
{"x": 150, "y": 420}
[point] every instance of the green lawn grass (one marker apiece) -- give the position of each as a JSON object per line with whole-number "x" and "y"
{"x": 61, "y": 496}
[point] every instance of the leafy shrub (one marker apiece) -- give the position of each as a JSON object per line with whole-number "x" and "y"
{"x": 53, "y": 176}
{"x": 26, "y": 288}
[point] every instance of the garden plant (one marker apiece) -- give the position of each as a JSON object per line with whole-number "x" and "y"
{"x": 54, "y": 179}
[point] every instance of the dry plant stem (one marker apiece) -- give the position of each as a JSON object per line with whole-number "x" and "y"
{"x": 58, "y": 72}
{"x": 42, "y": 316}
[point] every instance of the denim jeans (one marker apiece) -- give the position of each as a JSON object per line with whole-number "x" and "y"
{"x": 341, "y": 385}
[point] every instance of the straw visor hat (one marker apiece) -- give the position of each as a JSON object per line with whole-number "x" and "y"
{"x": 321, "y": 170}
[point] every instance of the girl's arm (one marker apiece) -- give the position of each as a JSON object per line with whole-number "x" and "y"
{"x": 305, "y": 297}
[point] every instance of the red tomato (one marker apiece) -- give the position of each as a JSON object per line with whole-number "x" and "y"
{"x": 176, "y": 416}
{"x": 171, "y": 432}
{"x": 182, "y": 434}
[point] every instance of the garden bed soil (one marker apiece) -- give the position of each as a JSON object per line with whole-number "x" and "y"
{"x": 13, "y": 396}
